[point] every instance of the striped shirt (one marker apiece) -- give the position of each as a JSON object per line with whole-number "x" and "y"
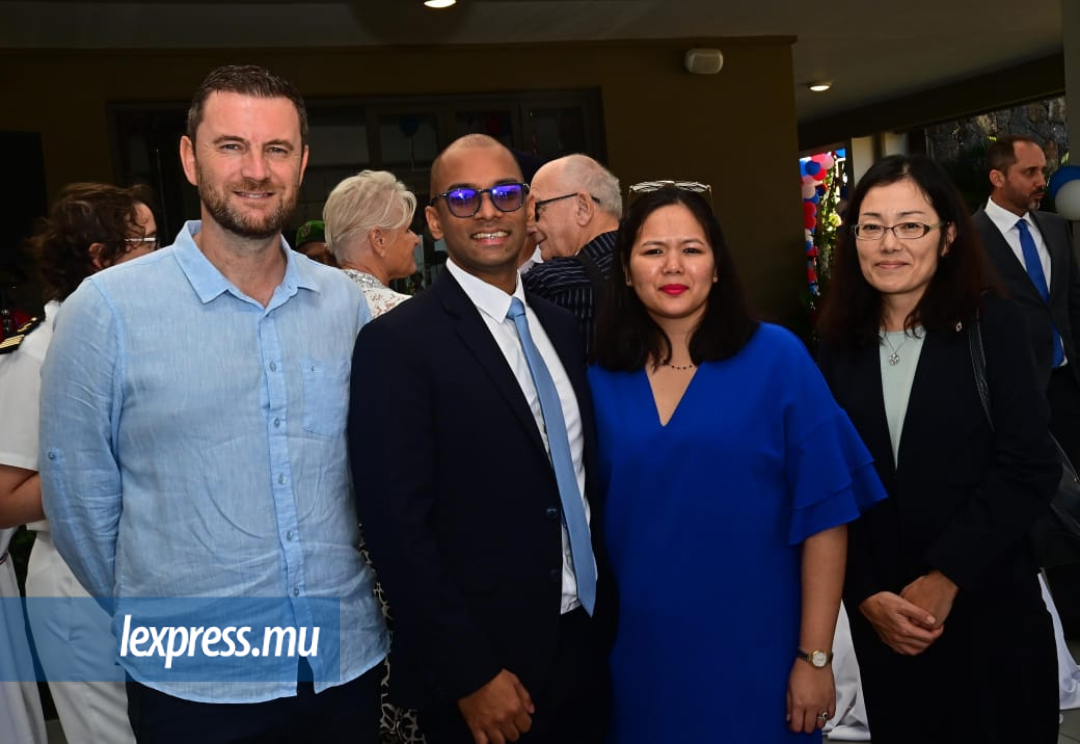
{"x": 565, "y": 281}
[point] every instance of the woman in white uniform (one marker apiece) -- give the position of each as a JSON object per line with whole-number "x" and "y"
{"x": 90, "y": 227}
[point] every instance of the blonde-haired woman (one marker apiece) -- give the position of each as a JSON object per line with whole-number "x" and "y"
{"x": 367, "y": 219}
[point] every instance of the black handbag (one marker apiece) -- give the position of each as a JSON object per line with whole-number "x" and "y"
{"x": 1055, "y": 538}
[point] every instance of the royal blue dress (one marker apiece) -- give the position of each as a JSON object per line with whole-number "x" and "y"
{"x": 703, "y": 520}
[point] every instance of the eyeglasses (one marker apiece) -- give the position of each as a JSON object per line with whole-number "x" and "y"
{"x": 902, "y": 230}
{"x": 646, "y": 187}
{"x": 152, "y": 241}
{"x": 544, "y": 202}
{"x": 465, "y": 202}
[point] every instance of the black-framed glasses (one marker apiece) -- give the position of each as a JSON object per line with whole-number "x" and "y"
{"x": 902, "y": 230}
{"x": 465, "y": 202}
{"x": 646, "y": 187}
{"x": 153, "y": 242}
{"x": 544, "y": 202}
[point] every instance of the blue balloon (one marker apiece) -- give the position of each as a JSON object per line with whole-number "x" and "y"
{"x": 1062, "y": 176}
{"x": 815, "y": 199}
{"x": 813, "y": 168}
{"x": 842, "y": 152}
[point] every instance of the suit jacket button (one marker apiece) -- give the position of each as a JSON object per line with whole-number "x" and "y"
{"x": 555, "y": 575}
{"x": 552, "y": 512}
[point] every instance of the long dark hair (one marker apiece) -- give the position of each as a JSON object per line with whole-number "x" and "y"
{"x": 854, "y": 310}
{"x": 626, "y": 335}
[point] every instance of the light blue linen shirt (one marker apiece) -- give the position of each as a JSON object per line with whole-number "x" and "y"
{"x": 193, "y": 445}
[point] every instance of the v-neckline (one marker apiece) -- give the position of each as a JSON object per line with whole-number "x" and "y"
{"x": 678, "y": 403}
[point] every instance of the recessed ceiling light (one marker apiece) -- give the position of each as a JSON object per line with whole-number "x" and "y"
{"x": 819, "y": 87}
{"x": 439, "y": 3}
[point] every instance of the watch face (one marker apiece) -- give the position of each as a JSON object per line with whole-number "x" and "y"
{"x": 819, "y": 658}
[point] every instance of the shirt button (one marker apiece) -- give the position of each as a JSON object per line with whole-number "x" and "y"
{"x": 296, "y": 592}
{"x": 551, "y": 512}
{"x": 281, "y": 479}
{"x": 52, "y": 455}
{"x": 289, "y": 535}
{"x": 273, "y": 366}
{"x": 555, "y": 575}
{"x": 277, "y": 422}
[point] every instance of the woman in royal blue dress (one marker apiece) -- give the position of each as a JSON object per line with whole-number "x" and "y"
{"x": 729, "y": 474}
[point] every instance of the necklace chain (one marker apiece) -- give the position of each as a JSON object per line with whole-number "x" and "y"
{"x": 681, "y": 368}
{"x": 894, "y": 357}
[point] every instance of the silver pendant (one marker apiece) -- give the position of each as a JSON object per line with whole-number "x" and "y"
{"x": 894, "y": 359}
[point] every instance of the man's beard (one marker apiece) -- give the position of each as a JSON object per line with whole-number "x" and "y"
{"x": 250, "y": 226}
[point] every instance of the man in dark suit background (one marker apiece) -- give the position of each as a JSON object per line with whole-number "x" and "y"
{"x": 1033, "y": 255}
{"x": 478, "y": 535}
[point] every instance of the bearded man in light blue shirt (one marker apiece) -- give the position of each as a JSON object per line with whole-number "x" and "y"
{"x": 193, "y": 447}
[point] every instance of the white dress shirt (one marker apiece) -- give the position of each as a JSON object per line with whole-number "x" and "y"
{"x": 493, "y": 304}
{"x": 1005, "y": 221}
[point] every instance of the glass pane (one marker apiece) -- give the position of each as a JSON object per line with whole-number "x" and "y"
{"x": 408, "y": 139}
{"x": 497, "y": 124}
{"x": 553, "y": 132}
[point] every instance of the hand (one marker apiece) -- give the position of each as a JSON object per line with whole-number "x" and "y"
{"x": 901, "y": 625}
{"x": 933, "y": 592}
{"x": 811, "y": 692}
{"x": 498, "y": 712}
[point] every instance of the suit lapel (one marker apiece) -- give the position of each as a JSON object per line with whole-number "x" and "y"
{"x": 474, "y": 334}
{"x": 869, "y": 400}
{"x": 1058, "y": 256}
{"x": 1009, "y": 267}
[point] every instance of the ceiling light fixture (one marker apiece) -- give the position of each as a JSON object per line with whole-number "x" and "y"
{"x": 819, "y": 87}
{"x": 439, "y": 3}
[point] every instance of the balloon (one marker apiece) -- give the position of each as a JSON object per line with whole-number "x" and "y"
{"x": 813, "y": 168}
{"x": 842, "y": 152}
{"x": 812, "y": 251}
{"x": 802, "y": 166}
{"x": 808, "y": 190}
{"x": 821, "y": 175}
{"x": 809, "y": 222}
{"x": 815, "y": 199}
{"x": 1067, "y": 200}
{"x": 809, "y": 209}
{"x": 1062, "y": 176}
{"x": 809, "y": 179}
{"x": 827, "y": 161}
{"x": 409, "y": 124}
{"x": 821, "y": 189}
{"x": 811, "y": 275}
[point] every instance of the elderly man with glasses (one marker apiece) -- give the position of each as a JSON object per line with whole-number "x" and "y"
{"x": 475, "y": 492}
{"x": 578, "y": 206}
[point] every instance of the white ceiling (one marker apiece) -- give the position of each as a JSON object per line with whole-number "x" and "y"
{"x": 871, "y": 50}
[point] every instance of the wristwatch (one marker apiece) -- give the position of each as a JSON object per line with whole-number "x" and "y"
{"x": 817, "y": 659}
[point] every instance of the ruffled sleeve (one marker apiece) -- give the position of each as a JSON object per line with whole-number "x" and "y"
{"x": 831, "y": 477}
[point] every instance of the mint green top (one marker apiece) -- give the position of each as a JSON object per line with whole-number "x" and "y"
{"x": 900, "y": 352}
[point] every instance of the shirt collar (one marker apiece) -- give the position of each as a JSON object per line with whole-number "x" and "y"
{"x": 1003, "y": 218}
{"x": 488, "y": 298}
{"x": 209, "y": 283}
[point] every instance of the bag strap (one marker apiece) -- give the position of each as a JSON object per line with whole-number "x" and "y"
{"x": 596, "y": 277}
{"x": 978, "y": 363}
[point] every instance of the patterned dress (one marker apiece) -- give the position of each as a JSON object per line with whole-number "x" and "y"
{"x": 396, "y": 725}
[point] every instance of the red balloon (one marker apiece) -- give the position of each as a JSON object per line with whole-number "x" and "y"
{"x": 809, "y": 208}
{"x": 810, "y": 222}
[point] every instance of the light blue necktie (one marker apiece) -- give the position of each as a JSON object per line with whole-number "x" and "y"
{"x": 573, "y": 507}
{"x": 1038, "y": 278}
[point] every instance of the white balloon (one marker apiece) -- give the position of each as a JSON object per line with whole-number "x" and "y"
{"x": 1067, "y": 200}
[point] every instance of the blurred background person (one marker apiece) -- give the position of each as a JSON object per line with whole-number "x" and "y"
{"x": 367, "y": 219}
{"x": 90, "y": 227}
{"x": 729, "y": 474}
{"x": 311, "y": 241}
{"x": 953, "y": 640}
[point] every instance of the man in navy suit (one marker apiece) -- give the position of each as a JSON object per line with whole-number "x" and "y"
{"x": 1033, "y": 255}
{"x": 497, "y": 608}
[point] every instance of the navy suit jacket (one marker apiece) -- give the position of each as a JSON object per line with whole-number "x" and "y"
{"x": 457, "y": 496}
{"x": 1064, "y": 306}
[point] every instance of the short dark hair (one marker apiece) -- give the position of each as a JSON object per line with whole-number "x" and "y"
{"x": 1001, "y": 153}
{"x": 853, "y": 310}
{"x": 627, "y": 337}
{"x": 248, "y": 80}
{"x": 83, "y": 214}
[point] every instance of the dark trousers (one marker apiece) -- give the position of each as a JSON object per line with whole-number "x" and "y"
{"x": 348, "y": 714}
{"x": 572, "y": 703}
{"x": 1064, "y": 396}
{"x": 990, "y": 678}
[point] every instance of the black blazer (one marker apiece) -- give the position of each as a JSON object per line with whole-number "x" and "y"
{"x": 963, "y": 497}
{"x": 1064, "y": 307}
{"x": 457, "y": 497}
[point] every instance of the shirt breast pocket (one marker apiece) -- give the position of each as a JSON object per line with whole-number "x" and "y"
{"x": 326, "y": 396}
